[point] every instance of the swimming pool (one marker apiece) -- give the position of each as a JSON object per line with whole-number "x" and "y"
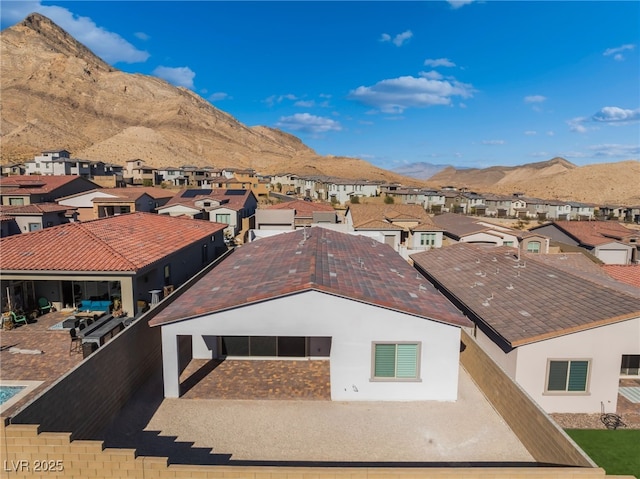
{"x": 7, "y": 392}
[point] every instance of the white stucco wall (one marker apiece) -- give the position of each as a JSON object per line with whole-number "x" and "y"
{"x": 603, "y": 346}
{"x": 353, "y": 327}
{"x": 84, "y": 201}
{"x": 507, "y": 361}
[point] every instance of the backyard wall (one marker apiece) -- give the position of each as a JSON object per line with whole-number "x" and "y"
{"x": 544, "y": 440}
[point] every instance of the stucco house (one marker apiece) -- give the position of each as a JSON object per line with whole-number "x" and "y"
{"x": 37, "y": 216}
{"x": 562, "y": 332}
{"x": 27, "y": 189}
{"x": 116, "y": 201}
{"x": 609, "y": 241}
{"x": 459, "y": 228}
{"x": 236, "y": 208}
{"x": 406, "y": 228}
{"x": 324, "y": 296}
{"x": 125, "y": 256}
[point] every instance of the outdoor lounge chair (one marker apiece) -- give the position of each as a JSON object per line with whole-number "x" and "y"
{"x": 76, "y": 341}
{"x": 44, "y": 305}
{"x": 18, "y": 318}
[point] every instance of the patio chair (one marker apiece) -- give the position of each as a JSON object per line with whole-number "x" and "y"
{"x": 18, "y": 318}
{"x": 44, "y": 305}
{"x": 76, "y": 341}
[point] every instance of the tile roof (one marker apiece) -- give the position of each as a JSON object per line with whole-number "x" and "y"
{"x": 34, "y": 209}
{"x": 344, "y": 265}
{"x": 626, "y": 273}
{"x": 125, "y": 242}
{"x": 593, "y": 233}
{"x": 303, "y": 209}
{"x": 368, "y": 216}
{"x": 133, "y": 192}
{"x": 459, "y": 225}
{"x": 235, "y": 199}
{"x": 525, "y": 301}
{"x": 39, "y": 184}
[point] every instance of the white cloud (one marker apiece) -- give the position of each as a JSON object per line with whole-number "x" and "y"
{"x": 432, "y": 75}
{"x": 399, "y": 39}
{"x": 617, "y": 51}
{"x": 439, "y": 62}
{"x": 142, "y": 36}
{"x": 308, "y": 123}
{"x": 459, "y": 3}
{"x": 109, "y": 46}
{"x": 493, "y": 142}
{"x": 551, "y": 133}
{"x": 615, "y": 150}
{"x": 535, "y": 99}
{"x": 220, "y": 95}
{"x": 273, "y": 99}
{"x": 530, "y": 133}
{"x": 178, "y": 76}
{"x": 305, "y": 103}
{"x": 577, "y": 124}
{"x": 397, "y": 94}
{"x": 614, "y": 114}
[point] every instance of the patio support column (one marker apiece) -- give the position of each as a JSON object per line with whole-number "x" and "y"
{"x": 170, "y": 364}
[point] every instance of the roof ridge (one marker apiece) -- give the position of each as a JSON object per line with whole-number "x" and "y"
{"x": 107, "y": 245}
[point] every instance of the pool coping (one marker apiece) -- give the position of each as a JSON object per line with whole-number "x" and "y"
{"x": 29, "y": 386}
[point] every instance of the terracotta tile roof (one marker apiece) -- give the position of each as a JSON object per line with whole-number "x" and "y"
{"x": 524, "y": 304}
{"x": 34, "y": 209}
{"x": 303, "y": 209}
{"x": 30, "y": 184}
{"x": 344, "y": 265}
{"x": 625, "y": 273}
{"x": 593, "y": 233}
{"x": 117, "y": 243}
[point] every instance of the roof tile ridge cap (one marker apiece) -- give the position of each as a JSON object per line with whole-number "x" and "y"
{"x": 115, "y": 252}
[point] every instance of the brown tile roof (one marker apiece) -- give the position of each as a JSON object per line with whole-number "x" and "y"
{"x": 134, "y": 192}
{"x": 524, "y": 304}
{"x": 626, "y": 273}
{"x": 30, "y": 184}
{"x": 117, "y": 243}
{"x": 593, "y": 233}
{"x": 344, "y": 265}
{"x": 459, "y": 225}
{"x": 303, "y": 209}
{"x": 367, "y": 216}
{"x": 188, "y": 197}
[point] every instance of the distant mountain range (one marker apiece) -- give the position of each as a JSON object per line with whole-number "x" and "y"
{"x": 56, "y": 94}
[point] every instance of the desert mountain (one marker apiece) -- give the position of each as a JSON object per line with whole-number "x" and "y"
{"x": 616, "y": 183}
{"x": 57, "y": 94}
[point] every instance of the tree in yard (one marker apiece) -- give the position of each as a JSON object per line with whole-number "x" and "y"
{"x": 388, "y": 200}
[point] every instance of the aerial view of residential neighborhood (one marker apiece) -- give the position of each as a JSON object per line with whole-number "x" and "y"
{"x": 315, "y": 239}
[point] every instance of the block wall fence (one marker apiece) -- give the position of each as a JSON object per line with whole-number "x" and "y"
{"x": 52, "y": 436}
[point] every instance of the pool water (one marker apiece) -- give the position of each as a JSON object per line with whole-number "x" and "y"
{"x": 7, "y": 392}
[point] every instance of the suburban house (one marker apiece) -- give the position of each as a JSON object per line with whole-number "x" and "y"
{"x": 581, "y": 211}
{"x": 562, "y": 333}
{"x": 464, "y": 229}
{"x": 294, "y": 215}
{"x": 405, "y": 228}
{"x": 37, "y": 216}
{"x": 125, "y": 257}
{"x": 324, "y": 296}
{"x": 28, "y": 189}
{"x": 136, "y": 173}
{"x": 116, "y": 201}
{"x": 236, "y": 208}
{"x": 609, "y": 241}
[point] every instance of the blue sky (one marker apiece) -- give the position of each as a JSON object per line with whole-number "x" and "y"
{"x": 467, "y": 83}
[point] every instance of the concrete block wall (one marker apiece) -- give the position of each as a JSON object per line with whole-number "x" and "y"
{"x": 27, "y": 453}
{"x": 545, "y": 441}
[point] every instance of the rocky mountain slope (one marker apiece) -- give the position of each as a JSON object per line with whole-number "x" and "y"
{"x": 57, "y": 94}
{"x": 617, "y": 183}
